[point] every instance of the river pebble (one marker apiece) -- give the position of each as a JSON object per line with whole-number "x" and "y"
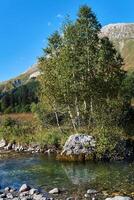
{"x": 24, "y": 188}
{"x": 9, "y": 196}
{"x": 7, "y": 189}
{"x": 91, "y": 191}
{"x": 119, "y": 198}
{"x": 27, "y": 193}
{"x": 54, "y": 191}
{"x": 33, "y": 191}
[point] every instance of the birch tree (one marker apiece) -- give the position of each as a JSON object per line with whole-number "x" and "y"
{"x": 81, "y": 73}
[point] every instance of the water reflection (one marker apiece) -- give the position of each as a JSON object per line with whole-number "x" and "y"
{"x": 118, "y": 175}
{"x": 41, "y": 171}
{"x": 79, "y": 173}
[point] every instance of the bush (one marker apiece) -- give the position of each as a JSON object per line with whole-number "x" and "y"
{"x": 21, "y": 131}
{"x": 107, "y": 139}
{"x": 51, "y": 137}
{"x": 46, "y": 117}
{"x": 7, "y": 121}
{"x": 8, "y": 110}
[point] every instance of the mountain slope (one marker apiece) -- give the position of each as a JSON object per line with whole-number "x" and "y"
{"x": 122, "y": 36}
{"x": 22, "y": 79}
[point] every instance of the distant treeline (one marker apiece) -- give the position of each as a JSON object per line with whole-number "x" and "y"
{"x": 19, "y": 99}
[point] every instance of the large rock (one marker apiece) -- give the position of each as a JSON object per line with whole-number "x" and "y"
{"x": 2, "y": 143}
{"x": 119, "y": 198}
{"x": 79, "y": 144}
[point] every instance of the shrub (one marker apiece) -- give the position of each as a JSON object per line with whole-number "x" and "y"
{"x": 51, "y": 137}
{"x": 7, "y": 121}
{"x": 22, "y": 131}
{"x": 107, "y": 139}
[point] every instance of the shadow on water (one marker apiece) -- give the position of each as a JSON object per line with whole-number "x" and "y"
{"x": 47, "y": 172}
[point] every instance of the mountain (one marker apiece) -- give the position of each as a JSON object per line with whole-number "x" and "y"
{"x": 20, "y": 80}
{"x": 18, "y": 94}
{"x": 122, "y": 36}
{"x": 32, "y": 72}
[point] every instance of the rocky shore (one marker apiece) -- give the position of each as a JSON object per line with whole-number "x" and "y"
{"x": 78, "y": 147}
{"x": 32, "y": 148}
{"x": 25, "y": 192}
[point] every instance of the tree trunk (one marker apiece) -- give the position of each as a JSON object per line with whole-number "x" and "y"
{"x": 72, "y": 119}
{"x": 91, "y": 106}
{"x": 57, "y": 119}
{"x": 85, "y": 106}
{"x": 91, "y": 110}
{"x": 77, "y": 111}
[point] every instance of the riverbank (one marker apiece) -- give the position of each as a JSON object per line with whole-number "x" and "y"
{"x": 6, "y": 147}
{"x": 25, "y": 192}
{"x": 76, "y": 148}
{"x": 21, "y": 133}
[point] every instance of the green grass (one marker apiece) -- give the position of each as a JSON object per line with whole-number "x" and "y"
{"x": 23, "y": 128}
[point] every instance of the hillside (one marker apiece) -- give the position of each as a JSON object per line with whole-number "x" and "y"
{"x": 18, "y": 94}
{"x": 122, "y": 35}
{"x": 22, "y": 79}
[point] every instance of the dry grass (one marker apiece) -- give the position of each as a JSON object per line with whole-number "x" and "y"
{"x": 19, "y": 116}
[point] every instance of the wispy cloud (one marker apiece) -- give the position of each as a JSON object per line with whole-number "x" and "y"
{"x": 49, "y": 23}
{"x": 44, "y": 41}
{"x": 59, "y": 16}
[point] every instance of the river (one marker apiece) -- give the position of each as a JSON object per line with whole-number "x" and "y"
{"x": 45, "y": 172}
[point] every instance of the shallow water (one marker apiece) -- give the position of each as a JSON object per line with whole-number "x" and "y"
{"x": 46, "y": 172}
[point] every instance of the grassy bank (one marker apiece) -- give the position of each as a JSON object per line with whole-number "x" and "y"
{"x": 24, "y": 128}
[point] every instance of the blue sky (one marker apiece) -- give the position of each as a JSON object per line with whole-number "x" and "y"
{"x": 26, "y": 24}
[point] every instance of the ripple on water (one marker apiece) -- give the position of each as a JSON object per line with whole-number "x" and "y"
{"x": 43, "y": 171}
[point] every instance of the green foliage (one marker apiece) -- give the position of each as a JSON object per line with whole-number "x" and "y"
{"x": 25, "y": 132}
{"x": 81, "y": 86}
{"x": 51, "y": 137}
{"x": 82, "y": 75}
{"x": 107, "y": 139}
{"x": 7, "y": 121}
{"x": 128, "y": 87}
{"x": 19, "y": 99}
{"x": 80, "y": 70}
{"x": 18, "y": 131}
